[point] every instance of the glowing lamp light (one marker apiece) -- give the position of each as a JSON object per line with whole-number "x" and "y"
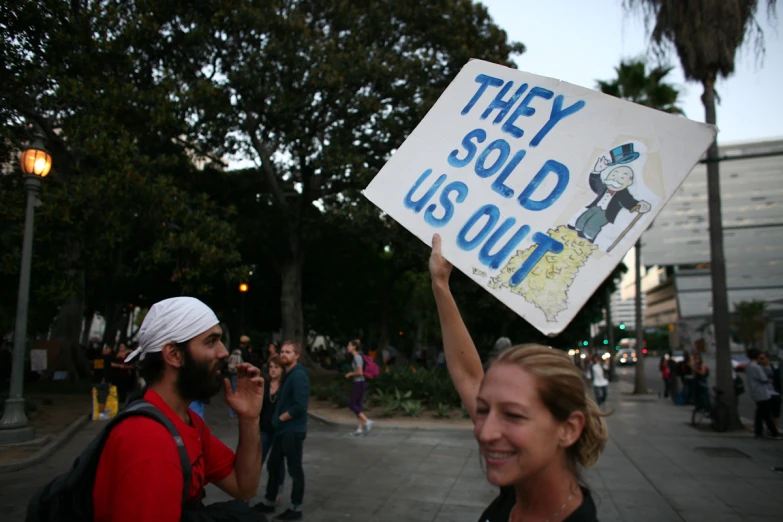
{"x": 35, "y": 161}
{"x": 243, "y": 287}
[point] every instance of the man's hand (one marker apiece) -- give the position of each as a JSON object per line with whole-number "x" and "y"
{"x": 248, "y": 398}
{"x": 285, "y": 417}
{"x": 643, "y": 207}
{"x": 601, "y": 164}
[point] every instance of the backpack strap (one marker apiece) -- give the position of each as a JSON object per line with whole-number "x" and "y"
{"x": 137, "y": 408}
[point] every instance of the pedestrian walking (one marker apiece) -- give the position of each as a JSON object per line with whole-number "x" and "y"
{"x": 290, "y": 423}
{"x": 600, "y": 383}
{"x": 234, "y": 361}
{"x": 272, "y": 385}
{"x": 759, "y": 388}
{"x": 533, "y": 420}
{"x": 356, "y": 402}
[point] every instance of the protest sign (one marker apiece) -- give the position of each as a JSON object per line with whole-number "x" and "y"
{"x": 537, "y": 187}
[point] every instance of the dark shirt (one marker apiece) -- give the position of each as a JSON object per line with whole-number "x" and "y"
{"x": 268, "y": 410}
{"x": 500, "y": 509}
{"x": 294, "y": 399}
{"x": 102, "y": 369}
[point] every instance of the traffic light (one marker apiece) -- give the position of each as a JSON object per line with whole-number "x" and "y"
{"x": 585, "y": 343}
{"x": 606, "y": 341}
{"x": 622, "y": 326}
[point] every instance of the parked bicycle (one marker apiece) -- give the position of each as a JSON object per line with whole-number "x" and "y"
{"x": 717, "y": 411}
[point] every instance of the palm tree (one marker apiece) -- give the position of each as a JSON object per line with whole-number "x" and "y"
{"x": 635, "y": 83}
{"x": 706, "y": 35}
{"x": 751, "y": 322}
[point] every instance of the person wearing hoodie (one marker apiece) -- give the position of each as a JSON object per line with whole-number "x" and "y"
{"x": 290, "y": 424}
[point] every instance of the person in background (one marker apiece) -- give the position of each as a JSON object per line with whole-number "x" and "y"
{"x": 356, "y": 402}
{"x": 249, "y": 354}
{"x": 234, "y": 361}
{"x": 685, "y": 372}
{"x": 663, "y": 367}
{"x": 290, "y": 423}
{"x": 271, "y": 351}
{"x": 534, "y": 422}
{"x": 102, "y": 372}
{"x": 600, "y": 383}
{"x": 701, "y": 385}
{"x": 272, "y": 385}
{"x": 773, "y": 376}
{"x": 759, "y": 387}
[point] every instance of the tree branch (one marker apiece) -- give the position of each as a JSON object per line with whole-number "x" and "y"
{"x": 268, "y": 167}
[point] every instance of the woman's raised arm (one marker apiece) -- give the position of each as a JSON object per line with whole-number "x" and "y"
{"x": 462, "y": 358}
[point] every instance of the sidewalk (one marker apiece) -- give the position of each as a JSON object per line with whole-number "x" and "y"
{"x": 656, "y": 467}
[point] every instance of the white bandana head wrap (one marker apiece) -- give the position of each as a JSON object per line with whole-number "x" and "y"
{"x": 174, "y": 320}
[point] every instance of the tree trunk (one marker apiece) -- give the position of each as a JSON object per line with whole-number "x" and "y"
{"x": 640, "y": 386}
{"x": 720, "y": 301}
{"x": 67, "y": 330}
{"x": 291, "y": 304}
{"x": 291, "y": 301}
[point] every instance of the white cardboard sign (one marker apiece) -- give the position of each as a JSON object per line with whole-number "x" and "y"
{"x": 537, "y": 187}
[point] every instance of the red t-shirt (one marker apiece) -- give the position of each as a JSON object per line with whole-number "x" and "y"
{"x": 139, "y": 475}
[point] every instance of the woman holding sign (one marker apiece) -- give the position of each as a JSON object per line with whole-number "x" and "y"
{"x": 533, "y": 421}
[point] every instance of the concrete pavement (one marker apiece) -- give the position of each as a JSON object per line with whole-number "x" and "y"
{"x": 655, "y": 468}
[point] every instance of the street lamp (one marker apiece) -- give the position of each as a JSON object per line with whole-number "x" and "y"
{"x": 36, "y": 164}
{"x": 243, "y": 288}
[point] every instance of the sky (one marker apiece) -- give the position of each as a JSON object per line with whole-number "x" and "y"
{"x": 581, "y": 41}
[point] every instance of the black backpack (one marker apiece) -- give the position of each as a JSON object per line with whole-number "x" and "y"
{"x": 69, "y": 496}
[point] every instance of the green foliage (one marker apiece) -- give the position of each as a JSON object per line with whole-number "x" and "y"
{"x": 431, "y": 387}
{"x": 636, "y": 83}
{"x": 391, "y": 400}
{"x": 443, "y": 411}
{"x": 412, "y": 408}
{"x": 388, "y": 411}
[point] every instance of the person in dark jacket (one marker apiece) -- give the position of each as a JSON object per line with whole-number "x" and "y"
{"x": 290, "y": 424}
{"x": 273, "y": 384}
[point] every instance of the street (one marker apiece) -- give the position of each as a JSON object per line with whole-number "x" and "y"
{"x": 655, "y": 468}
{"x": 747, "y": 407}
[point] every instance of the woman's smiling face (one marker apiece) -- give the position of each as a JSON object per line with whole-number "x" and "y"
{"x": 517, "y": 435}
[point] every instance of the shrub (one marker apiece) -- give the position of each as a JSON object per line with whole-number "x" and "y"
{"x": 443, "y": 411}
{"x": 388, "y": 412}
{"x": 412, "y": 408}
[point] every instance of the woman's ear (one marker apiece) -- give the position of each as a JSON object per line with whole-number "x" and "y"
{"x": 571, "y": 429}
{"x": 172, "y": 355}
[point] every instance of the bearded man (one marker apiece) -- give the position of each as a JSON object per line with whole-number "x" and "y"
{"x": 182, "y": 359}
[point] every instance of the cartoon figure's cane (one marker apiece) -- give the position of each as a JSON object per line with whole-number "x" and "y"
{"x": 629, "y": 227}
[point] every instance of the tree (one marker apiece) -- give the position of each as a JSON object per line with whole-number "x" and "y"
{"x": 635, "y": 83}
{"x": 706, "y": 35}
{"x": 751, "y": 322}
{"x": 322, "y": 91}
{"x": 121, "y": 222}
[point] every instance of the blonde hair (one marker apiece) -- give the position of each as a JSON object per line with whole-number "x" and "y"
{"x": 562, "y": 390}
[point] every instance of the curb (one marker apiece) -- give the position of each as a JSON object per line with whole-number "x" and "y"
{"x": 332, "y": 422}
{"x": 45, "y": 452}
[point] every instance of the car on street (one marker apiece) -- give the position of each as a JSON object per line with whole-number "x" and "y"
{"x": 625, "y": 356}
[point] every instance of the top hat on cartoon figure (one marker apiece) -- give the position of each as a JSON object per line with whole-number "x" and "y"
{"x": 623, "y": 154}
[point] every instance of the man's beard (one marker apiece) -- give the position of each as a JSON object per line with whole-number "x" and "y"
{"x": 198, "y": 381}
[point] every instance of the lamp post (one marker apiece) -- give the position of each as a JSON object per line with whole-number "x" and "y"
{"x": 36, "y": 164}
{"x": 243, "y": 288}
